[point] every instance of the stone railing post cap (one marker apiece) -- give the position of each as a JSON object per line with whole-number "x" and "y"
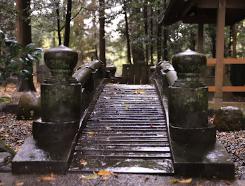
{"x": 61, "y": 60}
{"x": 60, "y": 49}
{"x": 189, "y": 61}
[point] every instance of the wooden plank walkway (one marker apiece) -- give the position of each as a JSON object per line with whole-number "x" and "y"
{"x": 125, "y": 133}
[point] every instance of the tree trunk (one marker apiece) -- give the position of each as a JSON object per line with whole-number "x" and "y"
{"x": 212, "y": 35}
{"x": 159, "y": 34}
{"x": 127, "y": 32}
{"x": 102, "y": 31}
{"x": 145, "y": 12}
{"x": 95, "y": 56}
{"x": 23, "y": 35}
{"x": 192, "y": 40}
{"x": 23, "y": 22}
{"x": 151, "y": 36}
{"x": 165, "y": 37}
{"x": 67, "y": 23}
{"x": 58, "y": 22}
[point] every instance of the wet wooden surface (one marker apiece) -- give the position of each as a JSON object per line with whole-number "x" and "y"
{"x": 125, "y": 133}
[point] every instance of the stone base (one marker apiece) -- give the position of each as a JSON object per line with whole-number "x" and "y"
{"x": 51, "y": 134}
{"x": 32, "y": 159}
{"x": 205, "y": 135}
{"x": 200, "y": 161}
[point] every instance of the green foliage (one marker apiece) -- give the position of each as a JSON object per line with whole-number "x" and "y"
{"x": 7, "y": 17}
{"x": 16, "y": 59}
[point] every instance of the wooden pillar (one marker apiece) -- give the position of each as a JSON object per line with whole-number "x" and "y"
{"x": 219, "y": 70}
{"x": 200, "y": 38}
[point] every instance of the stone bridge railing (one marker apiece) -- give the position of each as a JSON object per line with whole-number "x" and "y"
{"x": 64, "y": 97}
{"x": 192, "y": 138}
{"x": 89, "y": 76}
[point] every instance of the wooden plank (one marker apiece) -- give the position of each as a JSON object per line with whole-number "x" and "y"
{"x": 228, "y": 88}
{"x": 219, "y": 70}
{"x": 227, "y": 61}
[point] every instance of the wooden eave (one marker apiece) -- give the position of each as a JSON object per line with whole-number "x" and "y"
{"x": 202, "y": 11}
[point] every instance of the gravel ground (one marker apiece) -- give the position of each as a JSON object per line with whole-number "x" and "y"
{"x": 14, "y": 132}
{"x": 234, "y": 143}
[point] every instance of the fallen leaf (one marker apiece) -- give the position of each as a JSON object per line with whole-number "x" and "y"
{"x": 89, "y": 177}
{"x": 105, "y": 173}
{"x": 83, "y": 162}
{"x": 181, "y": 181}
{"x": 126, "y": 106}
{"x": 19, "y": 183}
{"x": 48, "y": 178}
{"x": 91, "y": 134}
{"x": 139, "y": 91}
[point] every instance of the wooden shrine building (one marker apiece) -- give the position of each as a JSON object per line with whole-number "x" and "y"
{"x": 220, "y": 12}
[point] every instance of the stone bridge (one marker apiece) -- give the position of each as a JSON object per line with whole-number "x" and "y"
{"x": 89, "y": 124}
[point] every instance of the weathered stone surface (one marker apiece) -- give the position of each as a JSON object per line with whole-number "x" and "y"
{"x": 188, "y": 107}
{"x": 61, "y": 61}
{"x": 204, "y": 135}
{"x": 53, "y": 134}
{"x": 229, "y": 118}
{"x": 33, "y": 159}
{"x": 28, "y": 106}
{"x": 49, "y": 134}
{"x": 202, "y": 161}
{"x": 193, "y": 141}
{"x": 189, "y": 62}
{"x": 60, "y": 102}
{"x": 4, "y": 157}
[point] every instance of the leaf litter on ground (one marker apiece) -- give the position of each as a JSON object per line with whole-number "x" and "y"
{"x": 47, "y": 178}
{"x": 181, "y": 181}
{"x": 103, "y": 174}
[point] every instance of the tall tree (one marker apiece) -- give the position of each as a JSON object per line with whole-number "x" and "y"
{"x": 23, "y": 22}
{"x": 127, "y": 31}
{"x": 151, "y": 35}
{"x": 159, "y": 32}
{"x": 23, "y": 35}
{"x": 67, "y": 23}
{"x": 102, "y": 31}
{"x": 165, "y": 36}
{"x": 58, "y": 21}
{"x": 145, "y": 12}
{"x": 136, "y": 28}
{"x": 212, "y": 35}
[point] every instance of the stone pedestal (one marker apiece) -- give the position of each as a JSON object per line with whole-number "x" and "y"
{"x": 53, "y": 134}
{"x": 193, "y": 139}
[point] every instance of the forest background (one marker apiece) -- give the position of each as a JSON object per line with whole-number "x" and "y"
{"x": 115, "y": 31}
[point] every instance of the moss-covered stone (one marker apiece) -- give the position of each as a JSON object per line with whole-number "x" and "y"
{"x": 229, "y": 118}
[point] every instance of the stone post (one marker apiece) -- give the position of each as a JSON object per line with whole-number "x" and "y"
{"x": 60, "y": 100}
{"x": 188, "y": 101}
